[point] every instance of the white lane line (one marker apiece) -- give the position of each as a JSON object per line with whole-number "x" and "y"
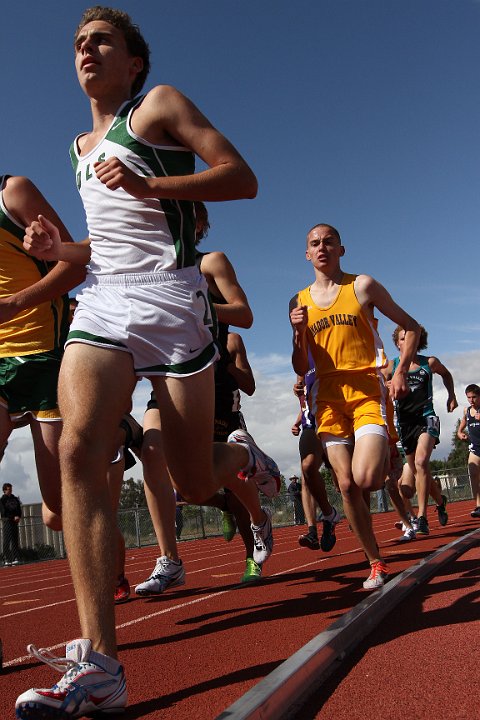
{"x": 179, "y": 606}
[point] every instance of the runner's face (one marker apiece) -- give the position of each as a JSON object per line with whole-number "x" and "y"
{"x": 324, "y": 249}
{"x": 401, "y": 340}
{"x": 102, "y": 60}
{"x": 473, "y": 399}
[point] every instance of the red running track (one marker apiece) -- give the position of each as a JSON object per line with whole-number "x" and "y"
{"x": 422, "y": 662}
{"x": 195, "y": 650}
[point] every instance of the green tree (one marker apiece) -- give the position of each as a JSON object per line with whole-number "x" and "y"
{"x": 437, "y": 466}
{"x": 332, "y": 492}
{"x": 132, "y": 495}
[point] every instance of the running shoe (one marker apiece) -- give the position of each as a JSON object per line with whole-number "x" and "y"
{"x": 166, "y": 574}
{"x": 229, "y": 525}
{"x": 263, "y": 539}
{"x": 400, "y": 525}
{"x": 377, "y": 577}
{"x": 408, "y": 535}
{"x": 475, "y": 513}
{"x": 442, "y": 513}
{"x": 253, "y": 571}
{"x": 422, "y": 526}
{"x": 91, "y": 683}
{"x": 328, "y": 539}
{"x": 264, "y": 470}
{"x": 122, "y": 591}
{"x": 309, "y": 540}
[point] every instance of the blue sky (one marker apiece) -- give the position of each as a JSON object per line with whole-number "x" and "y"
{"x": 363, "y": 114}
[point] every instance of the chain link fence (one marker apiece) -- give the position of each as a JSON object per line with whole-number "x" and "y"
{"x": 36, "y": 542}
{"x": 29, "y": 540}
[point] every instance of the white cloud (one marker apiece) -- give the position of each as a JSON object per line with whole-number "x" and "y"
{"x": 269, "y": 415}
{"x": 18, "y": 466}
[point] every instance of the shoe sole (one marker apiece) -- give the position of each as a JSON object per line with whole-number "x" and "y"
{"x": 37, "y": 711}
{"x": 374, "y": 587}
{"x": 268, "y": 481}
{"x": 254, "y": 578}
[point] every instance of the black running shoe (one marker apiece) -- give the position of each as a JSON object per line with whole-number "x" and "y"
{"x": 422, "y": 526}
{"x": 328, "y": 539}
{"x": 442, "y": 513}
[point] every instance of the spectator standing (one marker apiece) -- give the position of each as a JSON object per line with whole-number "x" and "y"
{"x": 11, "y": 511}
{"x": 295, "y": 492}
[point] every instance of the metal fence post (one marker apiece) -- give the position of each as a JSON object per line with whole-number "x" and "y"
{"x": 137, "y": 526}
{"x": 202, "y": 523}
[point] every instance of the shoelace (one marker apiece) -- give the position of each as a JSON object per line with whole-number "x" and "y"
{"x": 45, "y": 656}
{"x": 258, "y": 540}
{"x": 377, "y": 568}
{"x": 160, "y": 570}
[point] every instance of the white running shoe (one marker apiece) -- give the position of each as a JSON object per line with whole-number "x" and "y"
{"x": 264, "y": 470}
{"x": 408, "y": 535}
{"x": 166, "y": 574}
{"x": 91, "y": 683}
{"x": 377, "y": 577}
{"x": 263, "y": 539}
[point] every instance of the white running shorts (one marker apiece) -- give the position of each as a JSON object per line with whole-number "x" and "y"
{"x": 163, "y": 320}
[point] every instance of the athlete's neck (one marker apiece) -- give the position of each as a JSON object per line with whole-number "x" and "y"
{"x": 104, "y": 109}
{"x": 325, "y": 280}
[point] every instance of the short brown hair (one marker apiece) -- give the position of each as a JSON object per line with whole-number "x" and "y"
{"x": 201, "y": 213}
{"x": 136, "y": 45}
{"x": 327, "y": 225}
{"x": 472, "y": 389}
{"x": 422, "y": 342}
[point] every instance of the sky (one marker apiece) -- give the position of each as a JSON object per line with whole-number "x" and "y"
{"x": 360, "y": 113}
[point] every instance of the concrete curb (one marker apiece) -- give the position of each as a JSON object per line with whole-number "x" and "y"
{"x": 295, "y": 679}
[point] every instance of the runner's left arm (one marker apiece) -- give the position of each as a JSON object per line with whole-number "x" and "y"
{"x": 165, "y": 111}
{"x": 439, "y": 369}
